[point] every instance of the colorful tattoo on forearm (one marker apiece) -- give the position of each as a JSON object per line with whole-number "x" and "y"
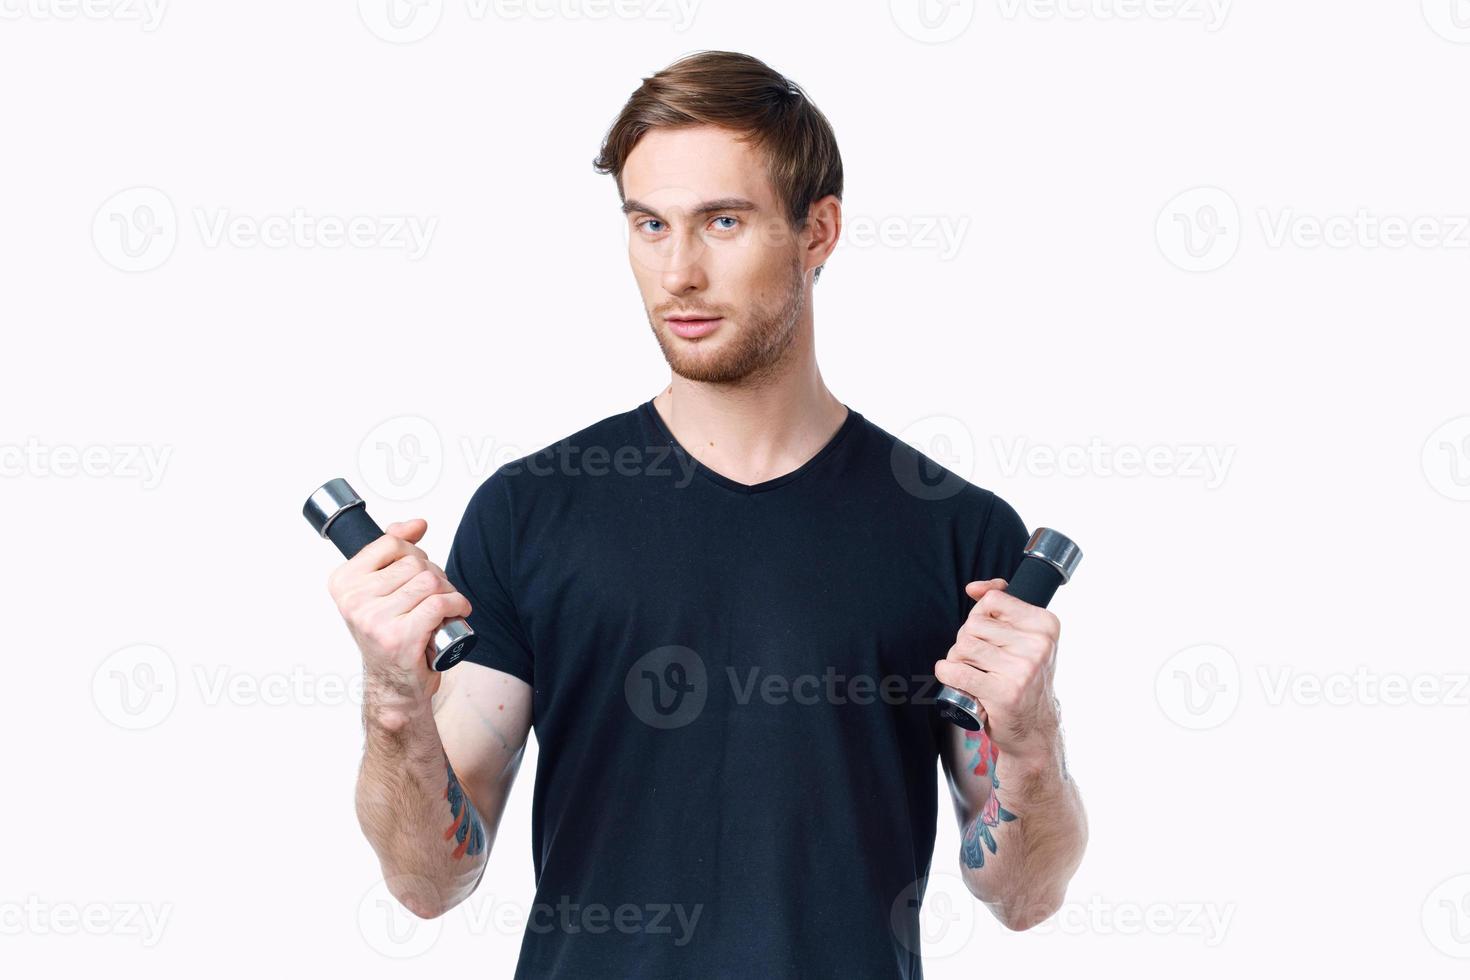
{"x": 467, "y": 830}
{"x": 979, "y": 830}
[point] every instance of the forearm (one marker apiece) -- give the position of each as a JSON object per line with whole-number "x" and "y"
{"x": 428, "y": 836}
{"x": 1020, "y": 849}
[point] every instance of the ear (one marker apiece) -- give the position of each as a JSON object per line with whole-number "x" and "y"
{"x": 821, "y": 231}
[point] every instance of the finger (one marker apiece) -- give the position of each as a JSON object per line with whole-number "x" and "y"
{"x": 976, "y": 589}
{"x": 1000, "y": 605}
{"x": 977, "y": 653}
{"x": 423, "y": 584}
{"x": 435, "y": 609}
{"x": 991, "y": 659}
{"x": 978, "y": 684}
{"x": 411, "y": 530}
{"x": 388, "y": 580}
{"x": 995, "y": 631}
{"x": 387, "y": 549}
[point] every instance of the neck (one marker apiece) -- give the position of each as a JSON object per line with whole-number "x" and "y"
{"x": 751, "y": 432}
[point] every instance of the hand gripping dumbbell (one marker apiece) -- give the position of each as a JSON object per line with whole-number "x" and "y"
{"x": 1049, "y": 560}
{"x": 339, "y": 514}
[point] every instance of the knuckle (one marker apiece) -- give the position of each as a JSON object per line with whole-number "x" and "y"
{"x": 442, "y": 604}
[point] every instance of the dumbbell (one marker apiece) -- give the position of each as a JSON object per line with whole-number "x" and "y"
{"x": 338, "y": 514}
{"x": 1049, "y": 560}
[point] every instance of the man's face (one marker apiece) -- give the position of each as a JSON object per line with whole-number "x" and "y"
{"x": 708, "y": 238}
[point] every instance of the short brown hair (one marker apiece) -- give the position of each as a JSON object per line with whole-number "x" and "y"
{"x": 739, "y": 92}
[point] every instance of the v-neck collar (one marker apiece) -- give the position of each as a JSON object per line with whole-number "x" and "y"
{"x": 652, "y": 418}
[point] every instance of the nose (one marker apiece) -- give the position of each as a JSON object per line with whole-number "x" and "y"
{"x": 683, "y": 270}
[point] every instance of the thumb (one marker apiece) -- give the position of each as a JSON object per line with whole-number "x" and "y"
{"x": 410, "y": 530}
{"x": 977, "y": 589}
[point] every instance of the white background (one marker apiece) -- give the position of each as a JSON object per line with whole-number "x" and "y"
{"x": 1262, "y": 666}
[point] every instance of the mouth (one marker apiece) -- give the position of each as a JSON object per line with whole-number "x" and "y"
{"x": 692, "y": 327}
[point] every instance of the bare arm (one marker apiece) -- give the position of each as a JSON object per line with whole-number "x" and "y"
{"x": 1022, "y": 825}
{"x": 434, "y": 782}
{"x": 441, "y": 749}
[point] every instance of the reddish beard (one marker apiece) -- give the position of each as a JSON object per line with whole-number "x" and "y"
{"x": 734, "y": 353}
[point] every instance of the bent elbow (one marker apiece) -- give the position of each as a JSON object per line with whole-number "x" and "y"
{"x": 423, "y": 910}
{"x": 420, "y": 896}
{"x": 1022, "y": 917}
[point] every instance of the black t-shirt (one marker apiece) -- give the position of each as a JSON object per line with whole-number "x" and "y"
{"x": 733, "y": 691}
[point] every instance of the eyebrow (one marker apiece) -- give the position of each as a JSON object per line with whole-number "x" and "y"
{"x": 708, "y": 207}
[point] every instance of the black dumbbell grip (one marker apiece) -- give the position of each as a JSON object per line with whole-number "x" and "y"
{"x": 353, "y": 530}
{"x": 1035, "y": 581}
{"x": 339, "y": 514}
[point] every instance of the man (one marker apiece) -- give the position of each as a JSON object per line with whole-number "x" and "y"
{"x": 724, "y": 611}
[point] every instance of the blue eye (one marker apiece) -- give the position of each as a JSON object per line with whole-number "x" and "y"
{"x": 726, "y": 217}
{"x": 646, "y": 221}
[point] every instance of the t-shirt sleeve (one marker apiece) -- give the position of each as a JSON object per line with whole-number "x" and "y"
{"x": 1002, "y": 543}
{"x": 479, "y": 566}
